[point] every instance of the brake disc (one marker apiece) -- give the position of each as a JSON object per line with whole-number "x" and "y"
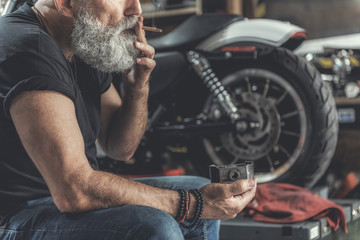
{"x": 257, "y": 142}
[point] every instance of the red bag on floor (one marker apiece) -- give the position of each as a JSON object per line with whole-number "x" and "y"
{"x": 286, "y": 203}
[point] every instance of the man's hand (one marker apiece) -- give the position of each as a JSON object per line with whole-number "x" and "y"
{"x": 138, "y": 77}
{"x": 225, "y": 201}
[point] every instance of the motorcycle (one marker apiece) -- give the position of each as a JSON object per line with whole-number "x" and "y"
{"x": 228, "y": 89}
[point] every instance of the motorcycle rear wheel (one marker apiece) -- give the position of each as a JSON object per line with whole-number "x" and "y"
{"x": 298, "y": 121}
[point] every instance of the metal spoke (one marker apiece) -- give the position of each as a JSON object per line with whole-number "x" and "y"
{"x": 281, "y": 98}
{"x": 272, "y": 169}
{"x": 266, "y": 88}
{"x": 295, "y": 134}
{"x": 247, "y": 79}
{"x": 218, "y": 148}
{"x": 281, "y": 106}
{"x": 290, "y": 114}
{"x": 284, "y": 151}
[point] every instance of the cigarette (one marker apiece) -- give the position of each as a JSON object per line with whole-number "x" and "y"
{"x": 151, "y": 29}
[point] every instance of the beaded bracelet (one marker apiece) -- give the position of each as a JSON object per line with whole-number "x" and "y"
{"x": 179, "y": 214}
{"x": 198, "y": 211}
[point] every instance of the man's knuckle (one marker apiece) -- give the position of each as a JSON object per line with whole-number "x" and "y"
{"x": 238, "y": 187}
{"x": 234, "y": 188}
{"x": 243, "y": 186}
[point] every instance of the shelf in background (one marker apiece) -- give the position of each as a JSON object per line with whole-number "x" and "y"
{"x": 149, "y": 10}
{"x": 345, "y": 100}
{"x": 172, "y": 12}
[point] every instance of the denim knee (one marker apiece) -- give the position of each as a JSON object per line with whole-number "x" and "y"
{"x": 156, "y": 224}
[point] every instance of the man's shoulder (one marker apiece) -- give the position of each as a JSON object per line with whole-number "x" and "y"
{"x": 21, "y": 33}
{"x": 17, "y": 34}
{"x": 18, "y": 25}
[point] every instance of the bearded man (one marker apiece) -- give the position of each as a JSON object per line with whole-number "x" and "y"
{"x": 57, "y": 99}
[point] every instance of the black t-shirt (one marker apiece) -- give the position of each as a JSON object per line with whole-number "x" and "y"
{"x": 30, "y": 59}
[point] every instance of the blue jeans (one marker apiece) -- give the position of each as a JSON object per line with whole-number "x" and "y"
{"x": 40, "y": 219}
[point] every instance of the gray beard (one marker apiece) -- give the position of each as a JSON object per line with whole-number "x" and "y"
{"x": 106, "y": 48}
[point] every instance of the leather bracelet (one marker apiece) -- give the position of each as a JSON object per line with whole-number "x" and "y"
{"x": 187, "y": 207}
{"x": 198, "y": 211}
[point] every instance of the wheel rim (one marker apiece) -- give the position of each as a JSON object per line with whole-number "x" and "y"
{"x": 275, "y": 146}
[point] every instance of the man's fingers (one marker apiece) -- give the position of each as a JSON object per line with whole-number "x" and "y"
{"x": 148, "y": 63}
{"x": 145, "y": 49}
{"x": 244, "y": 198}
{"x": 139, "y": 31}
{"x": 240, "y": 187}
{"x": 248, "y": 195}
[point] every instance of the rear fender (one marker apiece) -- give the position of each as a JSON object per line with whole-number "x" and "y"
{"x": 263, "y": 32}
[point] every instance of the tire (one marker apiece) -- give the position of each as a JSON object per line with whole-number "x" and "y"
{"x": 298, "y": 121}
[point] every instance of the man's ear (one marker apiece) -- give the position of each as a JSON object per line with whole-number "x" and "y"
{"x": 64, "y": 7}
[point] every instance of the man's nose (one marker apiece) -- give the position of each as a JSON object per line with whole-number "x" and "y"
{"x": 133, "y": 7}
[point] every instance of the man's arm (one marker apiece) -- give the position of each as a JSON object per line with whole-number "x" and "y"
{"x": 48, "y": 129}
{"x": 124, "y": 123}
{"x": 47, "y": 126}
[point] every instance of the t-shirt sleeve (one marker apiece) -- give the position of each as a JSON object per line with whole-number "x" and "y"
{"x": 32, "y": 71}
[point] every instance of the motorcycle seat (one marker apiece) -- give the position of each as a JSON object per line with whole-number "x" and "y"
{"x": 193, "y": 31}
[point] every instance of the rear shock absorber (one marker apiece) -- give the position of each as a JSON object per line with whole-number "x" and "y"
{"x": 202, "y": 67}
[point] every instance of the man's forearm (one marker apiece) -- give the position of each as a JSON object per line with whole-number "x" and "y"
{"x": 99, "y": 190}
{"x": 128, "y": 125}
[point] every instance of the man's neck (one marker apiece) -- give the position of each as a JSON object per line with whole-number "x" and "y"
{"x": 57, "y": 25}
